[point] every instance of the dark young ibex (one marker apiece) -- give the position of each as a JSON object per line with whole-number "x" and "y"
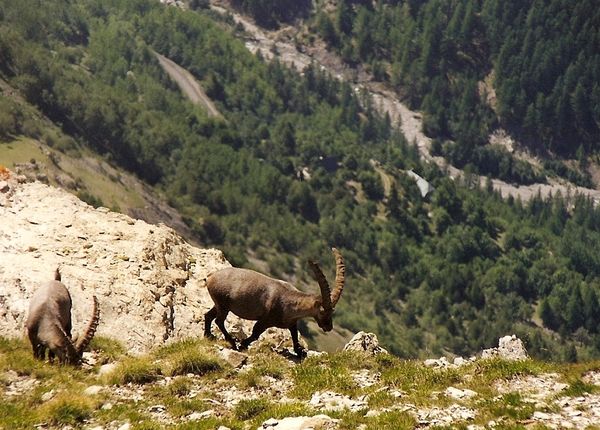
{"x": 49, "y": 324}
{"x": 270, "y": 302}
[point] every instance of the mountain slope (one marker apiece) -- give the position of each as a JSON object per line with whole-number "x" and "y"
{"x": 288, "y": 174}
{"x": 284, "y": 45}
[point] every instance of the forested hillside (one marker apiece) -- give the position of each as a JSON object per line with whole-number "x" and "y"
{"x": 287, "y": 173}
{"x": 530, "y": 66}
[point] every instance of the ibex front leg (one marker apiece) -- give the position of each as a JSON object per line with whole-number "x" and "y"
{"x": 297, "y": 348}
{"x": 257, "y": 330}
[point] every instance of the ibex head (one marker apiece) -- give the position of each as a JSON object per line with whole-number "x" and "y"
{"x": 329, "y": 299}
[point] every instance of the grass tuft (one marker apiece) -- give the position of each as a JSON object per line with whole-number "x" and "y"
{"x": 579, "y": 388}
{"x": 264, "y": 365}
{"x": 180, "y": 386}
{"x": 109, "y": 349}
{"x": 393, "y": 420}
{"x": 189, "y": 356}
{"x": 331, "y": 372}
{"x": 16, "y": 415}
{"x": 508, "y": 406}
{"x": 66, "y": 409}
{"x": 196, "y": 362}
{"x": 136, "y": 370}
{"x": 247, "y": 409}
{"x": 418, "y": 380}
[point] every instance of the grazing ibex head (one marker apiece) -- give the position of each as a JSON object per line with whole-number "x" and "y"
{"x": 49, "y": 324}
{"x": 271, "y": 302}
{"x": 324, "y": 317}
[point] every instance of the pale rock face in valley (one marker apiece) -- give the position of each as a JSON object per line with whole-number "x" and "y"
{"x": 149, "y": 282}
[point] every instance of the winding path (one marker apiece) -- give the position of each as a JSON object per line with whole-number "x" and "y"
{"x": 188, "y": 85}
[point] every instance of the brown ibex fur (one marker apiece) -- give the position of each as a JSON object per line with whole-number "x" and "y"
{"x": 49, "y": 324}
{"x": 270, "y": 302}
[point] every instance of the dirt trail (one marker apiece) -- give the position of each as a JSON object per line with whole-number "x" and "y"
{"x": 281, "y": 44}
{"x": 188, "y": 85}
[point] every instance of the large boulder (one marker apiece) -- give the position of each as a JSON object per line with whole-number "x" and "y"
{"x": 365, "y": 342}
{"x": 509, "y": 348}
{"x": 149, "y": 282}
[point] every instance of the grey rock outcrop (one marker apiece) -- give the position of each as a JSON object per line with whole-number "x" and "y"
{"x": 509, "y": 348}
{"x": 300, "y": 423}
{"x": 366, "y": 342}
{"x": 149, "y": 282}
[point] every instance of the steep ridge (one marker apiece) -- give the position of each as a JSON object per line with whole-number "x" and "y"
{"x": 281, "y": 45}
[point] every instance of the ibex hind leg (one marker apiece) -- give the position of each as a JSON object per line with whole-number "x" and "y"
{"x": 221, "y": 324}
{"x": 208, "y": 319}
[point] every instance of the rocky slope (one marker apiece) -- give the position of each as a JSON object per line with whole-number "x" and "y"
{"x": 148, "y": 280}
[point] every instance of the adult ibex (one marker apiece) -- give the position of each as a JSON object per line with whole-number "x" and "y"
{"x": 49, "y": 324}
{"x": 270, "y": 302}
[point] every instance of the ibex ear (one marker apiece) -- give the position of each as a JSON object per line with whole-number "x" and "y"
{"x": 322, "y": 281}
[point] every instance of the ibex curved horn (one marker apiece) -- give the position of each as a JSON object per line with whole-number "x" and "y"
{"x": 85, "y": 339}
{"x": 340, "y": 277}
{"x": 322, "y": 281}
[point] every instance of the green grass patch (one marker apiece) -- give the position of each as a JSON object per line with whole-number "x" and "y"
{"x": 21, "y": 151}
{"x": 16, "y": 415}
{"x": 496, "y": 368}
{"x": 487, "y": 372}
{"x": 16, "y": 355}
{"x": 381, "y": 399}
{"x": 331, "y": 372}
{"x": 264, "y": 364}
{"x": 121, "y": 413}
{"x": 136, "y": 370}
{"x": 269, "y": 410}
{"x": 247, "y": 409}
{"x": 66, "y": 409}
{"x": 418, "y": 380}
{"x": 183, "y": 407}
{"x": 393, "y": 420}
{"x": 579, "y": 388}
{"x": 109, "y": 349}
{"x": 180, "y": 386}
{"x": 189, "y": 356}
{"x": 572, "y": 372}
{"x": 196, "y": 362}
{"x": 211, "y": 423}
{"x": 97, "y": 185}
{"x": 508, "y": 406}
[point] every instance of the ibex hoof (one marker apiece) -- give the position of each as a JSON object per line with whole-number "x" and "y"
{"x": 243, "y": 346}
{"x": 301, "y": 353}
